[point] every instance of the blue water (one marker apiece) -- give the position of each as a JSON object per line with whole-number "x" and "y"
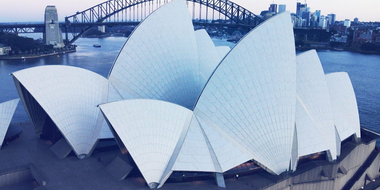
{"x": 363, "y": 70}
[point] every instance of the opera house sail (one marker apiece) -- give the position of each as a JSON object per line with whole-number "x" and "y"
{"x": 7, "y": 109}
{"x": 175, "y": 102}
{"x": 62, "y": 101}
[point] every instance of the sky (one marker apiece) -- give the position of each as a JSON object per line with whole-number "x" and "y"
{"x": 33, "y": 10}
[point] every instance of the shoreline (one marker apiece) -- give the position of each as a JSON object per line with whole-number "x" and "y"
{"x": 22, "y": 57}
{"x": 332, "y": 49}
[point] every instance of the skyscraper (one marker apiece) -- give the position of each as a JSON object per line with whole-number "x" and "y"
{"x": 301, "y": 8}
{"x": 281, "y": 8}
{"x": 53, "y": 34}
{"x": 318, "y": 14}
{"x": 331, "y": 20}
{"x": 273, "y": 8}
{"x": 322, "y": 22}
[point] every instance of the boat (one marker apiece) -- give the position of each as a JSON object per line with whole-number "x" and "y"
{"x": 338, "y": 49}
{"x": 97, "y": 45}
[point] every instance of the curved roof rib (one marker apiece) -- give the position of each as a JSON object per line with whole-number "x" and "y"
{"x": 344, "y": 106}
{"x": 160, "y": 61}
{"x": 69, "y": 95}
{"x": 7, "y": 109}
{"x": 314, "y": 118}
{"x": 207, "y": 54}
{"x": 250, "y": 98}
{"x": 151, "y": 130}
{"x": 222, "y": 51}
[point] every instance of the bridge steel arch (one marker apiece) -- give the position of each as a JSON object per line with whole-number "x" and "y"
{"x": 102, "y": 12}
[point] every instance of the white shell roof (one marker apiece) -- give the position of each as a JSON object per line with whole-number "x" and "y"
{"x": 159, "y": 60}
{"x": 70, "y": 96}
{"x": 207, "y": 54}
{"x": 251, "y": 95}
{"x": 150, "y": 130}
{"x": 344, "y": 106}
{"x": 314, "y": 118}
{"x": 222, "y": 51}
{"x": 7, "y": 109}
{"x": 196, "y": 153}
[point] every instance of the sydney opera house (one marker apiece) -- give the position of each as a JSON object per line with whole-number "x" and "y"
{"x": 175, "y": 102}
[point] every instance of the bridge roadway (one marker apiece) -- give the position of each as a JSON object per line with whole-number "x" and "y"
{"x": 39, "y": 27}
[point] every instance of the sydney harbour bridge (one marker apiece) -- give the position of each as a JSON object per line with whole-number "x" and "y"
{"x": 132, "y": 12}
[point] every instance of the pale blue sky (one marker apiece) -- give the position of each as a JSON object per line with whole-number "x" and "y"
{"x": 33, "y": 10}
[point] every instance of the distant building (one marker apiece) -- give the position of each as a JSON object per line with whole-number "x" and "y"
{"x": 356, "y": 20}
{"x": 297, "y": 22}
{"x": 331, "y": 19}
{"x": 317, "y": 14}
{"x": 102, "y": 29}
{"x": 281, "y": 8}
{"x": 322, "y": 22}
{"x": 52, "y": 34}
{"x": 347, "y": 23}
{"x": 273, "y": 8}
{"x": 301, "y": 8}
{"x": 4, "y": 49}
{"x": 313, "y": 21}
{"x": 306, "y": 17}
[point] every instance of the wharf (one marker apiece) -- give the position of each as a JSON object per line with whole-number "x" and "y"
{"x": 22, "y": 57}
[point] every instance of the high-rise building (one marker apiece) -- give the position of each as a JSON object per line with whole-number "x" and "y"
{"x": 318, "y": 14}
{"x": 306, "y": 17}
{"x": 322, "y": 22}
{"x": 313, "y": 21}
{"x": 53, "y": 34}
{"x": 273, "y": 8}
{"x": 331, "y": 19}
{"x": 281, "y": 8}
{"x": 301, "y": 8}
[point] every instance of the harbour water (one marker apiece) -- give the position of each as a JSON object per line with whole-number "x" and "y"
{"x": 363, "y": 69}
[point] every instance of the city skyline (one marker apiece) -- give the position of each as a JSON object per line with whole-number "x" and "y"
{"x": 364, "y": 10}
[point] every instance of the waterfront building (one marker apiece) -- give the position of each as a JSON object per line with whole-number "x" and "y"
{"x": 7, "y": 109}
{"x": 281, "y": 8}
{"x": 174, "y": 102}
{"x": 52, "y": 34}
{"x": 4, "y": 49}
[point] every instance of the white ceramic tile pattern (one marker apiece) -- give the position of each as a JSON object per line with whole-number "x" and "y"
{"x": 251, "y": 95}
{"x": 344, "y": 106}
{"x": 150, "y": 130}
{"x": 207, "y": 54}
{"x": 7, "y": 109}
{"x": 70, "y": 96}
{"x": 222, "y": 51}
{"x": 159, "y": 60}
{"x": 195, "y": 154}
{"x": 314, "y": 118}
